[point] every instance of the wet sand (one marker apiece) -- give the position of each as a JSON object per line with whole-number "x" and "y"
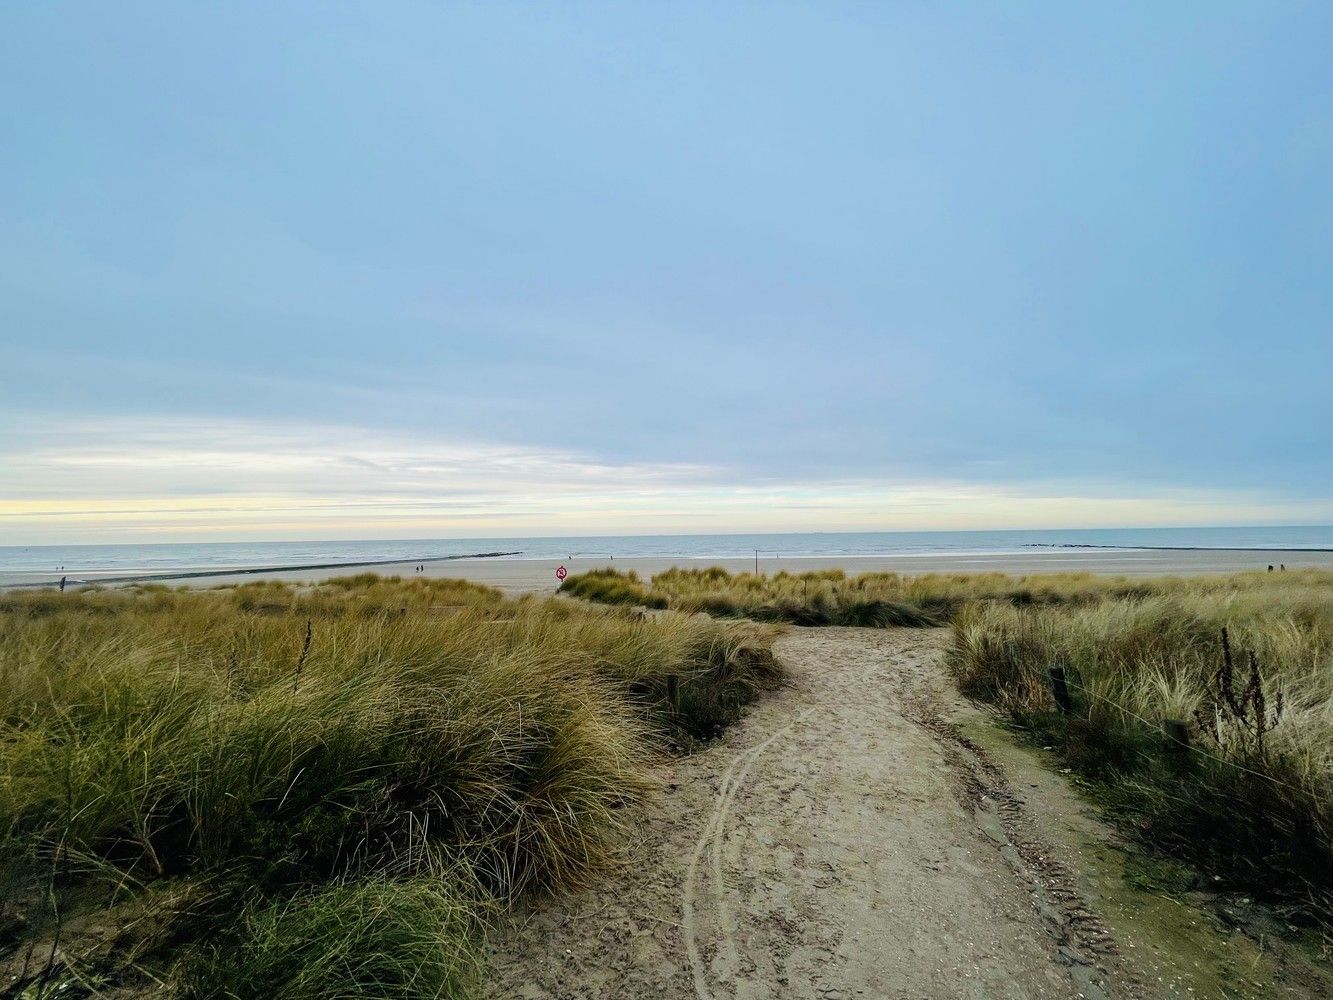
{"x": 516, "y": 575}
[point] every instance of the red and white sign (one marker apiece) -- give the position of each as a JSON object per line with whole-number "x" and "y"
{"x": 561, "y": 573}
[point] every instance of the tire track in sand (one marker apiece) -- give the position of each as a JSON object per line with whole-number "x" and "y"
{"x": 715, "y": 832}
{"x": 712, "y": 835}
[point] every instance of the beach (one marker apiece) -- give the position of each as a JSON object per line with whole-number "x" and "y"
{"x": 521, "y": 576}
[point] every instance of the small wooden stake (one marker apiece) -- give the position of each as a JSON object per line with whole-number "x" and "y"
{"x": 1177, "y": 733}
{"x": 1060, "y": 689}
{"x": 305, "y": 651}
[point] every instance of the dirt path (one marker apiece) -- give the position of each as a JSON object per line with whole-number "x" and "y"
{"x": 843, "y": 841}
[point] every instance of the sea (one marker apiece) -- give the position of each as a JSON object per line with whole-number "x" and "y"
{"x": 165, "y": 557}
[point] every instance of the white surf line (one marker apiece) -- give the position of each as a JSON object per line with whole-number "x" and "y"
{"x": 185, "y": 573}
{"x": 712, "y": 829}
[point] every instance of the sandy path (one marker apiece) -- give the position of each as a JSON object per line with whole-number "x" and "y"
{"x": 842, "y": 841}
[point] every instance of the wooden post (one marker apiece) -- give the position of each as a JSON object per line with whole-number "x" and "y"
{"x": 1060, "y": 689}
{"x": 673, "y": 693}
{"x": 1177, "y": 734}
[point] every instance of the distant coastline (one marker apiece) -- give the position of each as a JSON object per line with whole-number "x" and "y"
{"x": 533, "y": 559}
{"x": 252, "y": 570}
{"x": 1171, "y": 548}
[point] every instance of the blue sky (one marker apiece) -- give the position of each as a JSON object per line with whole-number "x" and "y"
{"x": 322, "y": 270}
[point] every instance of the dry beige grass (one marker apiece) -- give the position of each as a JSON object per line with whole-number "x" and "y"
{"x": 295, "y": 756}
{"x": 1253, "y": 797}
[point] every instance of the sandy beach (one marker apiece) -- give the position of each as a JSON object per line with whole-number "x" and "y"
{"x": 519, "y": 576}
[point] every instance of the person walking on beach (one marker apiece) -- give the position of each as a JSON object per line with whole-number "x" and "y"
{"x": 62, "y": 584}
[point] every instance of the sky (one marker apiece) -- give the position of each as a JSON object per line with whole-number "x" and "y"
{"x": 320, "y": 270}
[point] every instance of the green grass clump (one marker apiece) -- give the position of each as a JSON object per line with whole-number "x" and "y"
{"x": 374, "y": 939}
{"x": 1252, "y": 802}
{"x": 826, "y": 598}
{"x": 879, "y": 600}
{"x": 294, "y": 755}
{"x": 609, "y": 586}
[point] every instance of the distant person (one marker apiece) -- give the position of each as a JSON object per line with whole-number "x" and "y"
{"x": 1282, "y": 567}
{"x": 62, "y": 584}
{"x": 1270, "y": 567}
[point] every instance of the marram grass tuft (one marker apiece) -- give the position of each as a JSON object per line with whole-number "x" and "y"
{"x": 1251, "y": 796}
{"x": 293, "y": 759}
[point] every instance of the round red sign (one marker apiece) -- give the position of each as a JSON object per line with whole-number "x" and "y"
{"x": 561, "y": 573}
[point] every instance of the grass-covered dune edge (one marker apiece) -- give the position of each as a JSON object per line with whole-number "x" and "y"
{"x": 1201, "y": 717}
{"x": 877, "y": 600}
{"x": 266, "y": 791}
{"x": 1222, "y": 757}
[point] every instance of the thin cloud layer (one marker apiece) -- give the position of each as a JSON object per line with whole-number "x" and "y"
{"x": 142, "y": 480}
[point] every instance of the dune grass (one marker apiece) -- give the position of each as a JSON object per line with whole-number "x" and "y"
{"x": 875, "y": 600}
{"x": 378, "y": 939}
{"x": 609, "y": 586}
{"x": 1251, "y": 801}
{"x": 340, "y": 782}
{"x": 275, "y": 791}
{"x": 828, "y": 598}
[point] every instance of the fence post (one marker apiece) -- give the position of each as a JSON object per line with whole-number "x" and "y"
{"x": 673, "y": 693}
{"x": 1059, "y": 688}
{"x": 1177, "y": 733}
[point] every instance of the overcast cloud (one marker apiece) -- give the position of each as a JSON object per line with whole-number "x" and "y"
{"x": 335, "y": 270}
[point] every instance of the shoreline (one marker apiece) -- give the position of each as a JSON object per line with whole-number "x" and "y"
{"x": 189, "y": 573}
{"x": 537, "y": 574}
{"x": 1170, "y": 548}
